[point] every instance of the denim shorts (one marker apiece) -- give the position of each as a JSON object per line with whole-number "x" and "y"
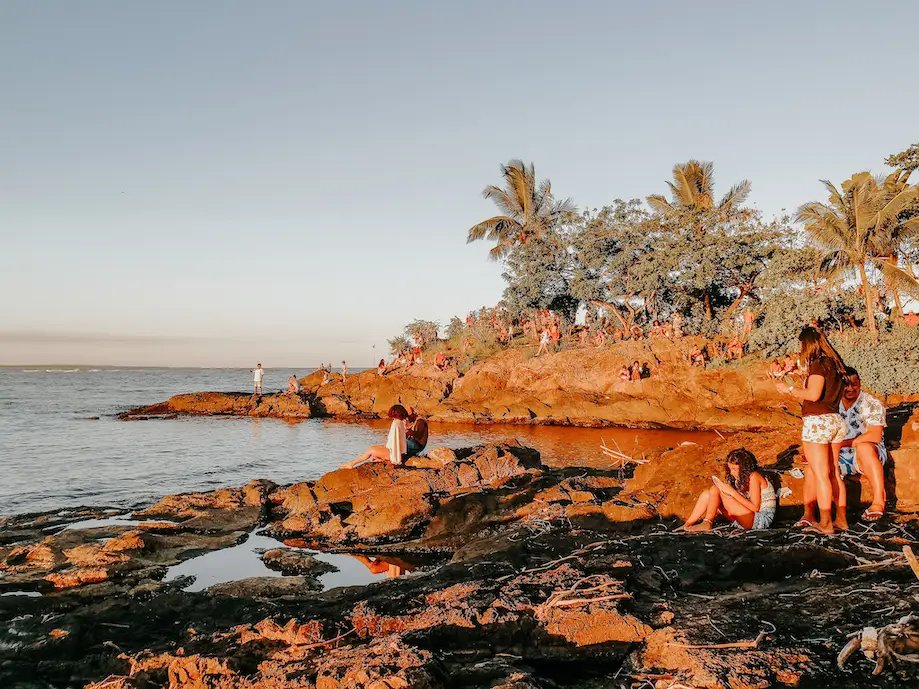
{"x": 412, "y": 448}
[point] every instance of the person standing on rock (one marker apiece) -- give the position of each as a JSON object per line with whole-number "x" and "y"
{"x": 258, "y": 373}
{"x": 823, "y": 429}
{"x": 416, "y": 434}
{"x": 344, "y": 371}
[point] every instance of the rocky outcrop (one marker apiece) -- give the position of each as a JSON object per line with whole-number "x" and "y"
{"x": 380, "y": 501}
{"x": 278, "y": 405}
{"x": 579, "y": 387}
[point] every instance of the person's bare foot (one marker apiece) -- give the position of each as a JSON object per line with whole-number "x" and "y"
{"x": 704, "y": 525}
{"x": 841, "y": 523}
{"x": 806, "y": 521}
{"x": 824, "y": 528}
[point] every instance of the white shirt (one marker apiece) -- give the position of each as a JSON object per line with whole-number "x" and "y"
{"x": 867, "y": 411}
{"x": 259, "y": 374}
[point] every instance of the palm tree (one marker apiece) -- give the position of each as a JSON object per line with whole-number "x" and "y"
{"x": 862, "y": 224}
{"x": 692, "y": 191}
{"x": 693, "y": 204}
{"x": 527, "y": 210}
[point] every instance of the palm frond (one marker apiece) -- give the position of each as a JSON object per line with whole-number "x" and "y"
{"x": 736, "y": 195}
{"x": 493, "y": 228}
{"x": 660, "y": 205}
{"x": 897, "y": 277}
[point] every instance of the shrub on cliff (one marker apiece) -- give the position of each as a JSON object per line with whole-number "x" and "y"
{"x": 888, "y": 366}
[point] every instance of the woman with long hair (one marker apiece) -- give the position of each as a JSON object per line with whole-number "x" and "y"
{"x": 395, "y": 448}
{"x": 823, "y": 428}
{"x": 745, "y": 496}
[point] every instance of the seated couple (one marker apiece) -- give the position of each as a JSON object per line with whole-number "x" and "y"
{"x": 745, "y": 496}
{"x": 408, "y": 435}
{"x": 861, "y": 452}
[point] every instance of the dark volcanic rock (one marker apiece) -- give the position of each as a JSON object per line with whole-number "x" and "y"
{"x": 290, "y": 562}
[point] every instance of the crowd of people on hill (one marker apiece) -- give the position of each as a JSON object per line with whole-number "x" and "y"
{"x": 842, "y": 435}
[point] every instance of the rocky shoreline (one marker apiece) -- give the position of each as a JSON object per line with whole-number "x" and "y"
{"x": 575, "y": 387}
{"x": 547, "y": 577}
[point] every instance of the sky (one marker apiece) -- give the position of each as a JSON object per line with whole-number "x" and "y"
{"x": 222, "y": 182}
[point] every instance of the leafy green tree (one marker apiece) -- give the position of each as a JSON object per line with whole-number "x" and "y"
{"x": 454, "y": 328}
{"x": 398, "y": 344}
{"x": 690, "y": 218}
{"x": 527, "y": 210}
{"x": 424, "y": 333}
{"x": 539, "y": 273}
{"x": 858, "y": 228}
{"x": 907, "y": 160}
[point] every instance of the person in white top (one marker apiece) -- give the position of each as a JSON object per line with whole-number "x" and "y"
{"x": 344, "y": 371}
{"x": 394, "y": 450}
{"x": 863, "y": 450}
{"x": 258, "y": 374}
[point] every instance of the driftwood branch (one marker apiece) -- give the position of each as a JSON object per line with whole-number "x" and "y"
{"x": 737, "y": 644}
{"x": 911, "y": 559}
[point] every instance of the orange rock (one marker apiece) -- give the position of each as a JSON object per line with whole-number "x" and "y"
{"x": 77, "y": 576}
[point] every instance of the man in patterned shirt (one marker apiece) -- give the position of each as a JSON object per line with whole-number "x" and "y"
{"x": 863, "y": 450}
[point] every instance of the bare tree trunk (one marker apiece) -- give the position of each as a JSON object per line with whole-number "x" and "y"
{"x": 869, "y": 301}
{"x": 708, "y": 306}
{"x": 744, "y": 291}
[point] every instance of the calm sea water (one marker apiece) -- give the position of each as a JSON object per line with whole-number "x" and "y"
{"x": 54, "y": 454}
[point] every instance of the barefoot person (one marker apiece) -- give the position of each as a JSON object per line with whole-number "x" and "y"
{"x": 745, "y": 497}
{"x": 344, "y": 371}
{"x": 394, "y": 449}
{"x": 258, "y": 374}
{"x": 293, "y": 385}
{"x": 823, "y": 428}
{"x": 863, "y": 450}
{"x": 416, "y": 434}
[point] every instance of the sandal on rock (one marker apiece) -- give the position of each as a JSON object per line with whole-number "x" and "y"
{"x": 803, "y": 524}
{"x": 872, "y": 516}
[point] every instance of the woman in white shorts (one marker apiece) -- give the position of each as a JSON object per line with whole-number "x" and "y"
{"x": 823, "y": 428}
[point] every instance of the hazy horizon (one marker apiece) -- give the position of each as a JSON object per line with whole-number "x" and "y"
{"x": 214, "y": 184}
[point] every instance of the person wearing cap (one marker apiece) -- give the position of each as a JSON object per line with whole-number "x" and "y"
{"x": 416, "y": 435}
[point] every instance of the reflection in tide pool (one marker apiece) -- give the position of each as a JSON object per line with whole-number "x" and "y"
{"x": 243, "y": 561}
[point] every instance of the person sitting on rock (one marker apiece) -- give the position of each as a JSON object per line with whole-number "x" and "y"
{"x": 863, "y": 450}
{"x": 293, "y": 385}
{"x": 440, "y": 361}
{"x": 625, "y": 373}
{"x": 735, "y": 349}
{"x": 745, "y": 497}
{"x": 416, "y": 434}
{"x": 635, "y": 371}
{"x": 381, "y": 367}
{"x": 394, "y": 450}
{"x": 777, "y": 369}
{"x": 697, "y": 356}
{"x": 645, "y": 371}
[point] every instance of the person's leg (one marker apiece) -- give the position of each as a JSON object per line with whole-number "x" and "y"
{"x": 376, "y": 453}
{"x": 810, "y": 499}
{"x": 712, "y": 507}
{"x": 839, "y": 489}
{"x": 737, "y": 512}
{"x": 869, "y": 463}
{"x": 818, "y": 458}
{"x": 699, "y": 510}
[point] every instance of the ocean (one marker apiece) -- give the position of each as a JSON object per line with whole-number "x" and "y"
{"x": 61, "y": 445}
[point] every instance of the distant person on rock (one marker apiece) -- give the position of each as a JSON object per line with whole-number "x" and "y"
{"x": 863, "y": 450}
{"x": 745, "y": 496}
{"x": 697, "y": 356}
{"x": 543, "y": 343}
{"x": 823, "y": 429}
{"x": 381, "y": 367}
{"x": 635, "y": 371}
{"x": 394, "y": 451}
{"x": 749, "y": 318}
{"x": 293, "y": 385}
{"x": 645, "y": 371}
{"x": 440, "y": 361}
{"x": 416, "y": 434}
{"x": 344, "y": 371}
{"x": 625, "y": 373}
{"x": 735, "y": 349}
{"x": 258, "y": 374}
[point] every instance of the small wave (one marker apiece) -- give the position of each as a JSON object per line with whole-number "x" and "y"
{"x": 62, "y": 370}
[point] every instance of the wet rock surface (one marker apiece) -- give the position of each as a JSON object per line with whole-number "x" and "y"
{"x": 555, "y": 578}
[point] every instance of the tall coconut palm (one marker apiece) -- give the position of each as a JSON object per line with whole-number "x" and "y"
{"x": 527, "y": 210}
{"x": 860, "y": 226}
{"x": 692, "y": 192}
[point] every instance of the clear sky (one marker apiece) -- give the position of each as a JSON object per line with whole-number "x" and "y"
{"x": 218, "y": 182}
